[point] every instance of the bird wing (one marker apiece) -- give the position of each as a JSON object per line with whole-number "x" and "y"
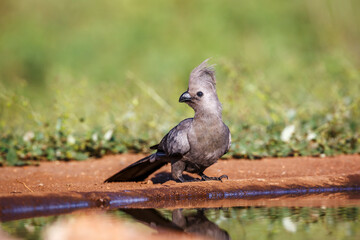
{"x": 174, "y": 145}
{"x": 176, "y": 142}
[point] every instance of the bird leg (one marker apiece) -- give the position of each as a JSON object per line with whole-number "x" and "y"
{"x": 181, "y": 178}
{"x": 206, "y": 178}
{"x": 177, "y": 168}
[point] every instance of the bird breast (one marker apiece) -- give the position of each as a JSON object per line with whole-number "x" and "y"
{"x": 208, "y": 142}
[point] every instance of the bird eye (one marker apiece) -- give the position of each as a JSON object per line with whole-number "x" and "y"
{"x": 200, "y": 94}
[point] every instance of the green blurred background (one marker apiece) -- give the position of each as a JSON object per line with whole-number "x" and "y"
{"x": 87, "y": 78}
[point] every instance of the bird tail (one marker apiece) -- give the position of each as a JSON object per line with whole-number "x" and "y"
{"x": 138, "y": 171}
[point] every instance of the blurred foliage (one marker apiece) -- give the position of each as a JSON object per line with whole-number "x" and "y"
{"x": 81, "y": 79}
{"x": 30, "y": 229}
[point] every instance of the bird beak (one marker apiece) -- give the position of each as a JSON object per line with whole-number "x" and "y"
{"x": 185, "y": 97}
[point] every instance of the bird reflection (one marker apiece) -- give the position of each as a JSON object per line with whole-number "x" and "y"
{"x": 193, "y": 223}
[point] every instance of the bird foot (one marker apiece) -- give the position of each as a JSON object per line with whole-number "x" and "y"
{"x": 206, "y": 178}
{"x": 181, "y": 179}
{"x": 203, "y": 178}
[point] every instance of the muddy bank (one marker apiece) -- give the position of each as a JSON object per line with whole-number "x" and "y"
{"x": 60, "y": 187}
{"x": 270, "y": 173}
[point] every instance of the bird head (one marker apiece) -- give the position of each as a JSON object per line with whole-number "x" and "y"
{"x": 201, "y": 93}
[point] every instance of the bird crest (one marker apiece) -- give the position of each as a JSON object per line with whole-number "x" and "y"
{"x": 203, "y": 72}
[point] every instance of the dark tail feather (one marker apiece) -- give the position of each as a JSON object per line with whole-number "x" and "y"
{"x": 137, "y": 171}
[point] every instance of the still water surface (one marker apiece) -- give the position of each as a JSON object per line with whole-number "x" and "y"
{"x": 227, "y": 223}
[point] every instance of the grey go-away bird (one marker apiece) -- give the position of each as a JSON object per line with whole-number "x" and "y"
{"x": 195, "y": 143}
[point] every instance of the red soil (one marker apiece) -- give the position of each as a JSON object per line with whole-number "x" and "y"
{"x": 74, "y": 181}
{"x": 88, "y": 176}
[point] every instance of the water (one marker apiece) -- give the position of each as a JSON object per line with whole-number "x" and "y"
{"x": 253, "y": 215}
{"x": 267, "y": 223}
{"x": 225, "y": 223}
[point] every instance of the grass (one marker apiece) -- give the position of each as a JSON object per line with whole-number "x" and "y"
{"x": 86, "y": 79}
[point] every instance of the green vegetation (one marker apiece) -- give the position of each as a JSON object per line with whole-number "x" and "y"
{"x": 288, "y": 223}
{"x": 81, "y": 79}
